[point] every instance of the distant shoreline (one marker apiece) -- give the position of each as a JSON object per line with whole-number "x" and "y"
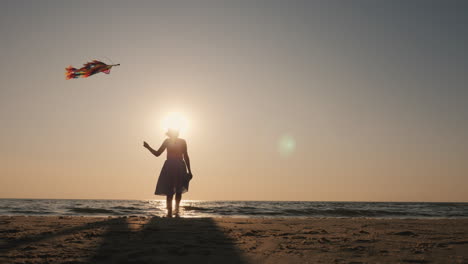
{"x": 160, "y": 198}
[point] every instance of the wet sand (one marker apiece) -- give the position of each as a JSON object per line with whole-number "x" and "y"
{"x": 231, "y": 240}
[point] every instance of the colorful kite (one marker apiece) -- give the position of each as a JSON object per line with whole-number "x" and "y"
{"x": 88, "y": 69}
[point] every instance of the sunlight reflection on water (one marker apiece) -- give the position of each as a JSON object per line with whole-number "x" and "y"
{"x": 262, "y": 209}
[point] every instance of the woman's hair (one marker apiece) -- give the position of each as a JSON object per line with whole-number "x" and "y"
{"x": 171, "y": 132}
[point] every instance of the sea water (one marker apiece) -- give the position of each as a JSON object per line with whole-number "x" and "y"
{"x": 256, "y": 209}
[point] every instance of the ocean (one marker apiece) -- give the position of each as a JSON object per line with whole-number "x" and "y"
{"x": 249, "y": 209}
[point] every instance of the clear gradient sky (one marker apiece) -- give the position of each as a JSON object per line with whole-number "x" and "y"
{"x": 369, "y": 98}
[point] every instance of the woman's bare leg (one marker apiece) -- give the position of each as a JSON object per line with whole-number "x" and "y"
{"x": 178, "y": 197}
{"x": 169, "y": 205}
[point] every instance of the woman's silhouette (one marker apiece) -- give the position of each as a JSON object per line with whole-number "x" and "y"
{"x": 174, "y": 178}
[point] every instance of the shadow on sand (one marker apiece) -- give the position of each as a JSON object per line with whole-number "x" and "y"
{"x": 162, "y": 240}
{"x": 124, "y": 240}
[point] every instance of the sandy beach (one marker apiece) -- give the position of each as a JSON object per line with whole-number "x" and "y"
{"x": 76, "y": 240}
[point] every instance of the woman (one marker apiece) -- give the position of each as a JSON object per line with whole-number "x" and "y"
{"x": 174, "y": 178}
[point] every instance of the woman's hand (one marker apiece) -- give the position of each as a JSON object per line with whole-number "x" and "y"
{"x": 145, "y": 144}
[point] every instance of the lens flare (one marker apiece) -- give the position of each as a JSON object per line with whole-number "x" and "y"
{"x": 286, "y": 145}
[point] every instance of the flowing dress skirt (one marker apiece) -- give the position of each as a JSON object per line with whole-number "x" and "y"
{"x": 173, "y": 178}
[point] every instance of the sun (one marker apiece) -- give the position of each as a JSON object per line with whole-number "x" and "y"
{"x": 175, "y": 120}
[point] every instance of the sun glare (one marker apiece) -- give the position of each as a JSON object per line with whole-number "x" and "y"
{"x": 176, "y": 121}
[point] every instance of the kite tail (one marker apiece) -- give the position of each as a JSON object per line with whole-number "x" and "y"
{"x": 70, "y": 73}
{"x": 73, "y": 73}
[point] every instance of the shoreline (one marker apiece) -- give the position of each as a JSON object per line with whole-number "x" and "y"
{"x": 135, "y": 239}
{"x": 248, "y": 209}
{"x": 243, "y": 217}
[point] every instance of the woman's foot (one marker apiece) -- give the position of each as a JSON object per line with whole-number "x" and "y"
{"x": 169, "y": 212}
{"x": 176, "y": 213}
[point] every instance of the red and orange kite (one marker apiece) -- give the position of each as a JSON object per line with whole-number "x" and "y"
{"x": 88, "y": 69}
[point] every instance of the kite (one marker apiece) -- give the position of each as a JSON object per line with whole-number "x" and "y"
{"x": 88, "y": 69}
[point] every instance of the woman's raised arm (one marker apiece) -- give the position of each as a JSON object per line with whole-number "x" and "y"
{"x": 158, "y": 152}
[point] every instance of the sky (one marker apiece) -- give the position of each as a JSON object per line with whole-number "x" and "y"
{"x": 284, "y": 100}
